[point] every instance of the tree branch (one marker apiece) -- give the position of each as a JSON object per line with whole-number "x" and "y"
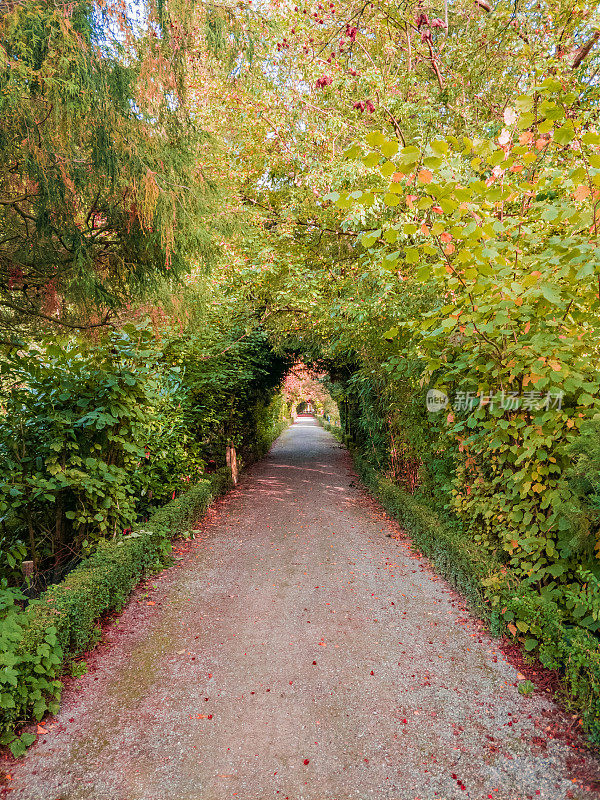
{"x": 584, "y": 51}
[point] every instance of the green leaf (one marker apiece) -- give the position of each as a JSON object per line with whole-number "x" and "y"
{"x": 39, "y": 708}
{"x": 387, "y": 169}
{"x": 551, "y": 295}
{"x": 353, "y": 152}
{"x": 586, "y": 270}
{"x": 524, "y": 103}
{"x": 368, "y": 239}
{"x": 389, "y": 149}
{"x": 590, "y": 137}
{"x": 7, "y": 700}
{"x": 525, "y": 121}
{"x": 371, "y": 160}
{"x": 550, "y": 213}
{"x": 432, "y": 162}
{"x": 565, "y": 134}
{"x": 551, "y": 110}
{"x": 440, "y": 148}
{"x": 410, "y": 155}
{"x": 375, "y": 139}
{"x": 17, "y": 748}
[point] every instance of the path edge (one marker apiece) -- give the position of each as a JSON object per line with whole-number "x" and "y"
{"x": 40, "y": 642}
{"x": 573, "y": 654}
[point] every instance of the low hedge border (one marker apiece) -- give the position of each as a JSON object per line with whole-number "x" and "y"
{"x": 38, "y": 643}
{"x": 481, "y": 579}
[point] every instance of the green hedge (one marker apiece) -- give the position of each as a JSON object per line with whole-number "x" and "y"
{"x": 483, "y": 580}
{"x": 36, "y": 644}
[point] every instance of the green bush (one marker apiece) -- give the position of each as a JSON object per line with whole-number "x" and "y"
{"x": 580, "y": 659}
{"x": 35, "y": 644}
{"x": 76, "y": 464}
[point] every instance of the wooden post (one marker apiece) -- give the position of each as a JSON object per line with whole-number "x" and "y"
{"x": 27, "y": 568}
{"x": 231, "y": 461}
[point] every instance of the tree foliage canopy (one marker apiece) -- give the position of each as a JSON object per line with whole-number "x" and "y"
{"x": 102, "y": 191}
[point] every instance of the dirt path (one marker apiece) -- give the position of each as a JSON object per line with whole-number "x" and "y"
{"x": 296, "y": 652}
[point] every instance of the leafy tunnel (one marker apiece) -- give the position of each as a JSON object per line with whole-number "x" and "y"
{"x": 212, "y": 214}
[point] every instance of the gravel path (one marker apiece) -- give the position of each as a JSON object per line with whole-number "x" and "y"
{"x": 297, "y": 652}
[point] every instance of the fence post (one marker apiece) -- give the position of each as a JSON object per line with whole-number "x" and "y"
{"x": 231, "y": 461}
